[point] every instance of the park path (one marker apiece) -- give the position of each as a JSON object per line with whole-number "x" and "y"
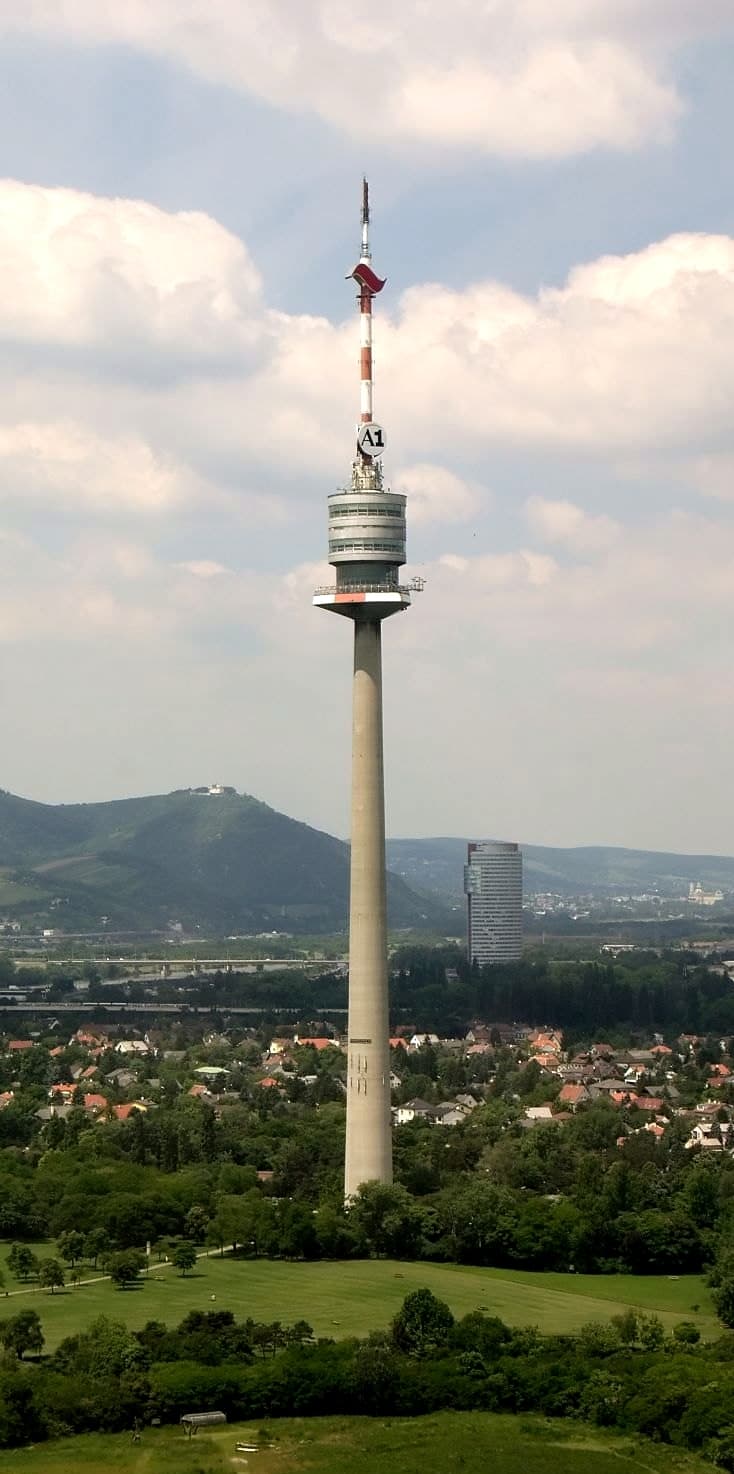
{"x": 97, "y": 1279}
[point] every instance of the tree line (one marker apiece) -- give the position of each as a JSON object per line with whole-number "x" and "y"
{"x": 638, "y": 992}
{"x": 628, "y": 1373}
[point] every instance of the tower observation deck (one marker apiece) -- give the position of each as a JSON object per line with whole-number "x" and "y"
{"x": 367, "y": 550}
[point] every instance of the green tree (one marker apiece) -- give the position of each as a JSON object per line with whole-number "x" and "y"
{"x": 389, "y": 1218}
{"x": 650, "y": 1332}
{"x": 686, "y": 1334}
{"x": 22, "y": 1262}
{"x": 71, "y": 1245}
{"x": 51, "y": 1275}
{"x": 184, "y": 1256}
{"x": 338, "y": 1235}
{"x": 196, "y": 1223}
{"x": 124, "y": 1268}
{"x": 268, "y": 1337}
{"x": 422, "y": 1325}
{"x": 22, "y": 1333}
{"x": 96, "y": 1244}
{"x": 299, "y": 1334}
{"x": 105, "y": 1349}
{"x": 723, "y": 1298}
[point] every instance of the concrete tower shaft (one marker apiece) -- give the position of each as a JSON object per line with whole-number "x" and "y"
{"x": 369, "y": 1134}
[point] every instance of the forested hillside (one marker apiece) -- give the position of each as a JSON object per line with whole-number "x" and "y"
{"x": 224, "y": 863}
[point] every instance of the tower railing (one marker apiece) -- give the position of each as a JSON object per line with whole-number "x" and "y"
{"x": 414, "y": 586}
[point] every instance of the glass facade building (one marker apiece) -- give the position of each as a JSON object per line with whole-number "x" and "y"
{"x": 493, "y": 886}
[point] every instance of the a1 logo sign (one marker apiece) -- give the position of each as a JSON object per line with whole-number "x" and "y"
{"x": 371, "y": 440}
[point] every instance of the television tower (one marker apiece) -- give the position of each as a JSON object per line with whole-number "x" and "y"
{"x": 367, "y": 548}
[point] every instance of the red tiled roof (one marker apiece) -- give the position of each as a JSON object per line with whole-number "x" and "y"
{"x": 123, "y": 1112}
{"x": 647, "y": 1102}
{"x": 17, "y": 1044}
{"x": 546, "y": 1042}
{"x": 572, "y": 1094}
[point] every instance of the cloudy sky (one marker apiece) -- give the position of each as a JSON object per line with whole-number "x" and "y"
{"x": 553, "y": 204}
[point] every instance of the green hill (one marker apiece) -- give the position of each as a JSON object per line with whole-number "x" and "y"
{"x": 224, "y": 863}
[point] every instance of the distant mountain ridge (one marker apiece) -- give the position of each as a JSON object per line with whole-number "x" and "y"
{"x": 435, "y": 866}
{"x": 209, "y": 858}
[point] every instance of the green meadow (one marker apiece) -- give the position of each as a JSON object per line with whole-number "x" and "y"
{"x": 355, "y": 1297}
{"x": 447, "y": 1443}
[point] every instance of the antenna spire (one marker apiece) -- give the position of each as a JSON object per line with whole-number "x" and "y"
{"x": 365, "y": 221}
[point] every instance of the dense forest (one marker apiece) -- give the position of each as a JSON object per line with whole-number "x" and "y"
{"x": 638, "y": 992}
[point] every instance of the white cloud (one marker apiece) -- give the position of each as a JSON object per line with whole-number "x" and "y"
{"x": 489, "y": 571}
{"x": 664, "y": 593}
{"x": 592, "y": 700}
{"x": 632, "y": 356}
{"x": 631, "y": 360}
{"x": 564, "y": 523}
{"x": 124, "y": 280}
{"x": 632, "y": 353}
{"x": 203, "y": 567}
{"x": 713, "y": 475}
{"x": 559, "y": 100}
{"x": 70, "y": 466}
{"x": 436, "y": 495}
{"x": 518, "y": 77}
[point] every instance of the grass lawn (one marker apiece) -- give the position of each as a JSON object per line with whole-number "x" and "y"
{"x": 447, "y": 1443}
{"x": 340, "y": 1299}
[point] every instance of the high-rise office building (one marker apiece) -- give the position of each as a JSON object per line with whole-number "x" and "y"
{"x": 493, "y": 885}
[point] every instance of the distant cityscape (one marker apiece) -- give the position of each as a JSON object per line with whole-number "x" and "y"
{"x": 638, "y": 904}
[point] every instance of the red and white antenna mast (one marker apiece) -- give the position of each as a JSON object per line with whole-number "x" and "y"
{"x": 370, "y": 440}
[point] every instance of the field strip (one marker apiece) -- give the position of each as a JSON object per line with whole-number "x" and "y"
{"x": 97, "y": 1279}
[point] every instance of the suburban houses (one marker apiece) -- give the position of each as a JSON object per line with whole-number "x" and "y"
{"x": 655, "y": 1085}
